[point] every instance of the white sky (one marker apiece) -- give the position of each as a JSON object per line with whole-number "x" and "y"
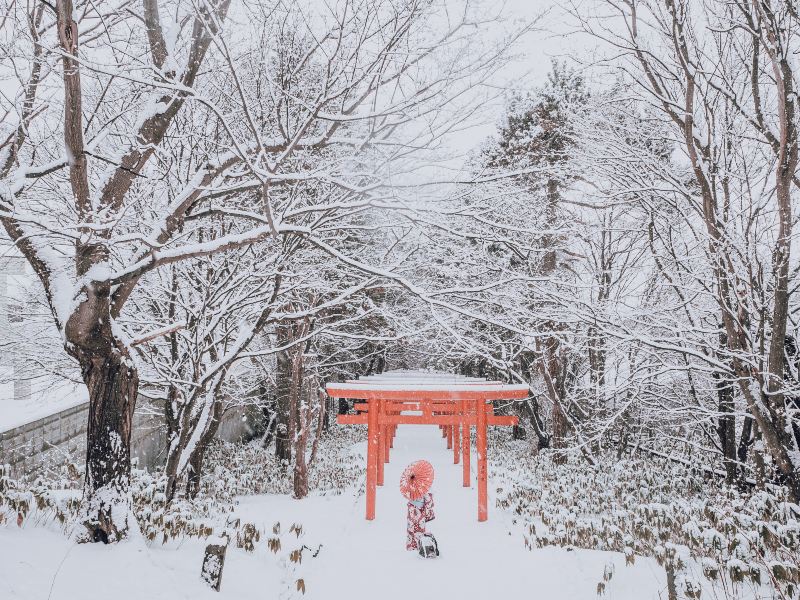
{"x": 536, "y": 51}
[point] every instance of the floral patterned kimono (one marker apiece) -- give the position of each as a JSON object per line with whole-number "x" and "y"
{"x": 419, "y": 513}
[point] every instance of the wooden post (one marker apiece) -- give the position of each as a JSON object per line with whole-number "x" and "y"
{"x": 387, "y": 441}
{"x": 465, "y": 444}
{"x": 372, "y": 456}
{"x": 483, "y": 500}
{"x": 449, "y": 429}
{"x": 456, "y": 432}
{"x": 386, "y": 437}
{"x": 381, "y": 442}
{"x": 214, "y": 562}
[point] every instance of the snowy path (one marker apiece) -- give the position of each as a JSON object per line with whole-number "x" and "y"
{"x": 368, "y": 560}
{"x": 359, "y": 560}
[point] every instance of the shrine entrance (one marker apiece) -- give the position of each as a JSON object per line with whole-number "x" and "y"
{"x": 453, "y": 402}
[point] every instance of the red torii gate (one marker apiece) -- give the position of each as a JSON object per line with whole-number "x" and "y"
{"x": 453, "y": 402}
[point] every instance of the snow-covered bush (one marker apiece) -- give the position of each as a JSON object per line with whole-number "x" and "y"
{"x": 696, "y": 528}
{"x": 54, "y": 498}
{"x": 247, "y": 469}
{"x": 232, "y": 470}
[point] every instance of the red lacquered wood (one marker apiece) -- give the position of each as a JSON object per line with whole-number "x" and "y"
{"x": 483, "y": 500}
{"x": 372, "y": 458}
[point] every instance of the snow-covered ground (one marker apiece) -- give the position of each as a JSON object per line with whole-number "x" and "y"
{"x": 358, "y": 559}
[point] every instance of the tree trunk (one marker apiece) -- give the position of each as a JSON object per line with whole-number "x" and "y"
{"x": 191, "y": 418}
{"x": 548, "y": 240}
{"x": 269, "y": 418}
{"x": 283, "y": 376}
{"x": 326, "y": 413}
{"x": 300, "y": 473}
{"x": 597, "y": 362}
{"x": 622, "y": 446}
{"x": 195, "y": 463}
{"x": 726, "y": 423}
{"x": 171, "y": 409}
{"x": 299, "y": 424}
{"x": 559, "y": 434}
{"x": 759, "y": 463}
{"x": 672, "y": 589}
{"x": 551, "y": 366}
{"x": 112, "y": 382}
{"x": 726, "y": 429}
{"x": 552, "y": 373}
{"x": 106, "y": 368}
{"x": 113, "y": 385}
{"x": 194, "y": 472}
{"x": 745, "y": 442}
{"x": 770, "y": 414}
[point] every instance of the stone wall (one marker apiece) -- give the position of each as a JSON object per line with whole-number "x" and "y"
{"x": 62, "y": 434}
{"x": 61, "y": 437}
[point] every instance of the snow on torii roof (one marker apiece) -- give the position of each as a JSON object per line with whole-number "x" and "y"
{"x": 411, "y": 385}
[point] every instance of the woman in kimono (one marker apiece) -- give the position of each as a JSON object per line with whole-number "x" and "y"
{"x": 419, "y": 513}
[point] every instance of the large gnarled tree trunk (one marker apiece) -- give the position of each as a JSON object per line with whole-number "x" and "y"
{"x": 112, "y": 383}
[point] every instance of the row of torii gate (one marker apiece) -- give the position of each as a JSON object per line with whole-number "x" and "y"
{"x": 453, "y": 402}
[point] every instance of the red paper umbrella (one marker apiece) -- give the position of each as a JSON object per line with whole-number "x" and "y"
{"x": 416, "y": 479}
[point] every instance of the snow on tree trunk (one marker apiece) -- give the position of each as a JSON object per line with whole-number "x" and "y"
{"x": 112, "y": 383}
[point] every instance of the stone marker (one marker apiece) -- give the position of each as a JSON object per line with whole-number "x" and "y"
{"x": 214, "y": 561}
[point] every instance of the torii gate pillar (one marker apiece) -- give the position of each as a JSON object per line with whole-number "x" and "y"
{"x": 483, "y": 499}
{"x": 373, "y": 442}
